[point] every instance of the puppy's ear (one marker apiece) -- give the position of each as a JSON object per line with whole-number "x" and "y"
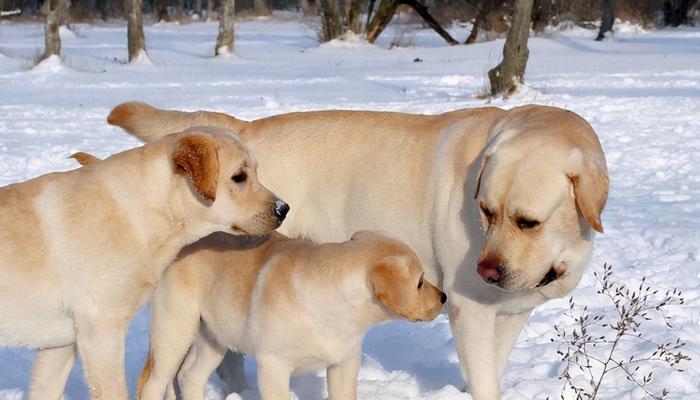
{"x": 389, "y": 280}
{"x": 589, "y": 176}
{"x": 84, "y": 158}
{"x": 195, "y": 156}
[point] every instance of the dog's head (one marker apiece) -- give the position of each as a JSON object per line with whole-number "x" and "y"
{"x": 541, "y": 190}
{"x": 396, "y": 280}
{"x": 221, "y": 181}
{"x": 222, "y": 174}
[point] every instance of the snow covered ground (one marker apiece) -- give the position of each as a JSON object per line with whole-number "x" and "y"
{"x": 640, "y": 91}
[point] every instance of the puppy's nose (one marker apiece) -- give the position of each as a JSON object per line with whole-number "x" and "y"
{"x": 490, "y": 270}
{"x": 281, "y": 209}
{"x": 443, "y": 298}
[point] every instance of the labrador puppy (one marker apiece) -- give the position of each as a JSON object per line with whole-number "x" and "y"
{"x": 292, "y": 304}
{"x": 80, "y": 251}
{"x": 500, "y": 205}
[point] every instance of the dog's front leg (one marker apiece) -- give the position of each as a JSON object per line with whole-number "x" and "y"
{"x": 273, "y": 378}
{"x": 101, "y": 349}
{"x": 508, "y": 327}
{"x": 51, "y": 369}
{"x": 474, "y": 330}
{"x": 342, "y": 378}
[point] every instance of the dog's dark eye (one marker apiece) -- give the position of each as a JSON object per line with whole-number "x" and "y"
{"x": 487, "y": 213}
{"x": 524, "y": 223}
{"x": 420, "y": 282}
{"x": 239, "y": 177}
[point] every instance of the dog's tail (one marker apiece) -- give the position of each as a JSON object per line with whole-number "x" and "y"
{"x": 148, "y": 123}
{"x": 145, "y": 374}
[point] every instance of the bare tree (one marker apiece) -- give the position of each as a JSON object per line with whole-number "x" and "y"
{"x": 198, "y": 8}
{"x": 161, "y": 10}
{"x": 507, "y": 75}
{"x": 306, "y": 8}
{"x": 210, "y": 9}
{"x": 542, "y": 14}
{"x": 606, "y": 24}
{"x": 331, "y": 25}
{"x": 260, "y": 7}
{"x": 386, "y": 10}
{"x": 224, "y": 41}
{"x": 136, "y": 41}
{"x": 483, "y": 9}
{"x": 55, "y": 11}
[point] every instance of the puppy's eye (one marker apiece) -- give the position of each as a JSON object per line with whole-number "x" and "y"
{"x": 420, "y": 282}
{"x": 524, "y": 223}
{"x": 239, "y": 177}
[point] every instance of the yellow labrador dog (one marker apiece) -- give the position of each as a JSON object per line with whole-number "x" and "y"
{"x": 500, "y": 206}
{"x": 80, "y": 251}
{"x": 292, "y": 304}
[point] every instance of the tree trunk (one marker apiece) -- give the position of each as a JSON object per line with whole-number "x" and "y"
{"x": 475, "y": 30}
{"x": 506, "y": 77}
{"x": 382, "y": 16}
{"x": 161, "y": 10}
{"x": 136, "y": 40}
{"x": 210, "y": 9}
{"x": 354, "y": 14}
{"x": 331, "y": 27}
{"x": 260, "y": 8}
{"x": 606, "y": 24}
{"x": 198, "y": 8}
{"x": 55, "y": 11}
{"x": 224, "y": 42}
{"x": 306, "y": 8}
{"x": 541, "y": 15}
{"x": 231, "y": 371}
{"x": 423, "y": 12}
{"x": 181, "y": 10}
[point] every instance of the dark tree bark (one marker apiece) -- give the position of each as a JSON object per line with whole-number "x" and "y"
{"x": 224, "y": 42}
{"x": 231, "y": 371}
{"x": 541, "y": 15}
{"x": 474, "y": 34}
{"x": 354, "y": 14}
{"x": 260, "y": 7}
{"x": 606, "y": 24}
{"x": 331, "y": 27}
{"x": 506, "y": 77}
{"x": 136, "y": 41}
{"x": 161, "y": 9}
{"x": 423, "y": 12}
{"x": 306, "y": 8}
{"x": 382, "y": 16}
{"x": 55, "y": 12}
{"x": 676, "y": 16}
{"x": 198, "y": 8}
{"x": 181, "y": 10}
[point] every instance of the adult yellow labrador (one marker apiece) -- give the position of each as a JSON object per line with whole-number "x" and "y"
{"x": 81, "y": 250}
{"x": 500, "y": 206}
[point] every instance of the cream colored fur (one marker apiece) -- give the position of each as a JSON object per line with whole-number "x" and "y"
{"x": 415, "y": 176}
{"x": 293, "y": 305}
{"x": 80, "y": 251}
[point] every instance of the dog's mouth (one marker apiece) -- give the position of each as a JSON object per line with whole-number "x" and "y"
{"x": 552, "y": 275}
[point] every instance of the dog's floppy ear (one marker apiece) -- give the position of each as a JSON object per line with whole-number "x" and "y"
{"x": 589, "y": 176}
{"x": 195, "y": 155}
{"x": 84, "y": 158}
{"x": 386, "y": 278}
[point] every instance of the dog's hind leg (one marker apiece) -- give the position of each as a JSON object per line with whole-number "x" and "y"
{"x": 342, "y": 378}
{"x": 51, "y": 369}
{"x": 174, "y": 323}
{"x": 201, "y": 361}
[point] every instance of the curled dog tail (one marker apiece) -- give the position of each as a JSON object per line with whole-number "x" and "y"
{"x": 145, "y": 374}
{"x": 148, "y": 123}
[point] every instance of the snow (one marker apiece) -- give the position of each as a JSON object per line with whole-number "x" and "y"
{"x": 640, "y": 91}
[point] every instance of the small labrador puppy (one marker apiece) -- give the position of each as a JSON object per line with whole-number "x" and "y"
{"x": 80, "y": 251}
{"x": 292, "y": 304}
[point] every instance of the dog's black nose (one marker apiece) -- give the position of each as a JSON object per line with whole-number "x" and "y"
{"x": 281, "y": 209}
{"x": 443, "y": 298}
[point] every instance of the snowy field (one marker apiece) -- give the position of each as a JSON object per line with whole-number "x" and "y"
{"x": 640, "y": 91}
